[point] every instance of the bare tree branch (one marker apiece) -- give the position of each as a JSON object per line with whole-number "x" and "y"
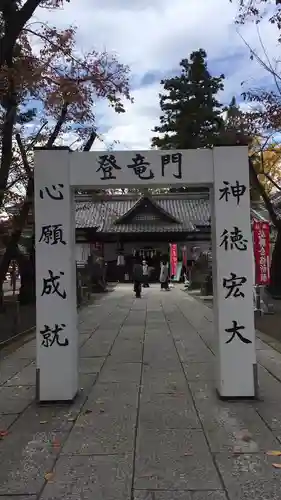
{"x": 58, "y": 127}
{"x": 33, "y": 142}
{"x": 20, "y": 178}
{"x": 272, "y": 180}
{"x": 90, "y": 141}
{"x": 272, "y": 71}
{"x": 24, "y": 156}
{"x": 265, "y": 66}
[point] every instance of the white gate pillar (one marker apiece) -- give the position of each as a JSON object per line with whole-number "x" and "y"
{"x": 233, "y": 274}
{"x": 56, "y": 331}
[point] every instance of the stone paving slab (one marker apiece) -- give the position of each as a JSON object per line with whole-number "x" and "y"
{"x": 179, "y": 495}
{"x": 174, "y": 459}
{"x": 199, "y": 371}
{"x": 27, "y": 457}
{"x": 91, "y": 365}
{"x": 100, "y": 435}
{"x": 94, "y": 348}
{"x": 131, "y": 352}
{"x": 25, "y": 377}
{"x": 91, "y": 478}
{"x": 249, "y": 477}
{"x": 10, "y": 367}
{"x": 18, "y": 497}
{"x": 231, "y": 426}
{"x": 146, "y": 379}
{"x": 162, "y": 381}
{"x": 168, "y": 411}
{"x": 27, "y": 351}
{"x": 6, "y": 420}
{"x": 113, "y": 397}
{"x": 121, "y": 372}
{"x": 15, "y": 399}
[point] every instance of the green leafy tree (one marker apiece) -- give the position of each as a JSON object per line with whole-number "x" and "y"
{"x": 191, "y": 113}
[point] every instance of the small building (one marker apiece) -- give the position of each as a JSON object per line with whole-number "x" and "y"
{"x": 119, "y": 227}
{"x": 124, "y": 226}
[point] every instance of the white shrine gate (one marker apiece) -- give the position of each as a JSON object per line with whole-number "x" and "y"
{"x": 225, "y": 170}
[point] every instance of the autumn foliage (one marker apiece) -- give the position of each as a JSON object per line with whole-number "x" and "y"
{"x": 47, "y": 67}
{"x": 42, "y": 65}
{"x": 45, "y": 82}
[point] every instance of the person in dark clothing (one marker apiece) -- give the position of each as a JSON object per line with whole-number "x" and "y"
{"x": 145, "y": 272}
{"x": 164, "y": 276}
{"x": 137, "y": 278}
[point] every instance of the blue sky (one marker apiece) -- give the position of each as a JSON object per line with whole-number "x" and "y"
{"x": 152, "y": 36}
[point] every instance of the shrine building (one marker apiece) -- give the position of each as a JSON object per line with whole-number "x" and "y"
{"x": 119, "y": 227}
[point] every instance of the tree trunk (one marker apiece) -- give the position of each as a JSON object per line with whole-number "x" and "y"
{"x": 27, "y": 287}
{"x": 27, "y": 293}
{"x": 15, "y": 20}
{"x": 275, "y": 270}
{"x": 9, "y": 103}
{"x": 19, "y": 224}
{"x": 4, "y": 266}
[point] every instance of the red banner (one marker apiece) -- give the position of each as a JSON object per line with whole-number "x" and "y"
{"x": 173, "y": 259}
{"x": 262, "y": 252}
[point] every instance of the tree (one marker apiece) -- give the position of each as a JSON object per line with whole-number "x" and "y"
{"x": 256, "y": 10}
{"x": 64, "y": 82}
{"x": 57, "y": 76}
{"x": 265, "y": 174}
{"x": 258, "y": 171}
{"x": 267, "y": 163}
{"x": 191, "y": 111}
{"x": 267, "y": 106}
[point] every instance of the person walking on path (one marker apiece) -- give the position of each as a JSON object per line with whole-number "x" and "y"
{"x": 137, "y": 278}
{"x": 145, "y": 271}
{"x": 164, "y": 276}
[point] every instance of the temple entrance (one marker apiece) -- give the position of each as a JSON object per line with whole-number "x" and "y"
{"x": 224, "y": 171}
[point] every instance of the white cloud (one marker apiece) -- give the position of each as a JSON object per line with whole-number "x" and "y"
{"x": 154, "y": 35}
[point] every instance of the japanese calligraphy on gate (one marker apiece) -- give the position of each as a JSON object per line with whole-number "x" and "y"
{"x": 153, "y": 167}
{"x": 52, "y": 236}
{"x": 234, "y": 242}
{"x": 139, "y": 165}
{"x": 262, "y": 251}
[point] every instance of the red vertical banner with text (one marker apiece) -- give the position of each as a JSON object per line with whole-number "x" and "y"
{"x": 173, "y": 259}
{"x": 262, "y": 252}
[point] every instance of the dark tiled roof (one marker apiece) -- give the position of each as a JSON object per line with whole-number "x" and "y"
{"x": 103, "y": 214}
{"x": 191, "y": 210}
{"x": 146, "y": 204}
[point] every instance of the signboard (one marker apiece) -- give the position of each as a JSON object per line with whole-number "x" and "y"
{"x": 56, "y": 311}
{"x": 262, "y": 252}
{"x": 173, "y": 258}
{"x": 232, "y": 274}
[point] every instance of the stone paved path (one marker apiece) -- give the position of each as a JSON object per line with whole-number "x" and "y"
{"x": 147, "y": 424}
